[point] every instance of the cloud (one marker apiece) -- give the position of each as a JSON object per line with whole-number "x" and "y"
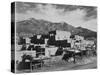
{"x": 73, "y": 15}
{"x": 91, "y": 24}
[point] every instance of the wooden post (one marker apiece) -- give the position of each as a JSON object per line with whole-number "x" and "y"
{"x": 74, "y": 57}
{"x": 31, "y": 66}
{"x": 74, "y": 54}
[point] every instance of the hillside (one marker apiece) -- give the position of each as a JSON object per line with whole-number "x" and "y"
{"x": 35, "y": 26}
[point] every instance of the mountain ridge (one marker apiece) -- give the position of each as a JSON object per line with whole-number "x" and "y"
{"x": 41, "y": 26}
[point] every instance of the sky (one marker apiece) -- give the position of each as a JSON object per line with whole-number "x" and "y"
{"x": 84, "y": 16}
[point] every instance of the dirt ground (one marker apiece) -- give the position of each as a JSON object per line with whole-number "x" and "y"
{"x": 59, "y": 65}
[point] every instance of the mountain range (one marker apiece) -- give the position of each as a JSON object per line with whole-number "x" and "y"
{"x": 40, "y": 26}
